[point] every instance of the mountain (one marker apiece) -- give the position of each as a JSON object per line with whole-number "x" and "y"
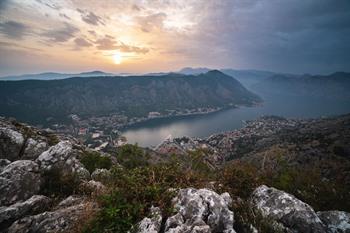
{"x": 333, "y": 86}
{"x": 36, "y": 100}
{"x": 292, "y": 178}
{"x": 193, "y": 71}
{"x": 54, "y": 76}
{"x": 246, "y": 77}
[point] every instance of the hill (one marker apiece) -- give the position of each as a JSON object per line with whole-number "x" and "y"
{"x": 333, "y": 86}
{"x": 246, "y": 77}
{"x": 53, "y": 76}
{"x": 133, "y": 96}
{"x": 294, "y": 177}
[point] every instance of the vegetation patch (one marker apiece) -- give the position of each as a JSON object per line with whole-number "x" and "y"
{"x": 93, "y": 160}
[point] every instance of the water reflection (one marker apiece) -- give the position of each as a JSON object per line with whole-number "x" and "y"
{"x": 152, "y": 132}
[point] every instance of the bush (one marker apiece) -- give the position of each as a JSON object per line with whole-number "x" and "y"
{"x": 239, "y": 179}
{"x": 308, "y": 185}
{"x": 246, "y": 217}
{"x": 134, "y": 191}
{"x": 58, "y": 185}
{"x": 132, "y": 156}
{"x": 93, "y": 160}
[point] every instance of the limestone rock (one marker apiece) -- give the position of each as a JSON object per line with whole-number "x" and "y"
{"x": 336, "y": 221}
{"x": 19, "y": 181}
{"x": 33, "y": 205}
{"x": 151, "y": 224}
{"x": 63, "y": 158}
{"x": 60, "y": 220}
{"x": 70, "y": 201}
{"x": 34, "y": 148}
{"x": 4, "y": 163}
{"x": 286, "y": 209}
{"x": 11, "y": 142}
{"x": 200, "y": 210}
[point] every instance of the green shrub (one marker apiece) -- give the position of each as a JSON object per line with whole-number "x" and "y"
{"x": 245, "y": 217}
{"x": 134, "y": 191}
{"x": 310, "y": 186}
{"x": 56, "y": 184}
{"x": 239, "y": 179}
{"x": 132, "y": 156}
{"x": 93, "y": 160}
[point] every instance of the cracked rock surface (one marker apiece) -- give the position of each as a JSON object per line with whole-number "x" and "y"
{"x": 200, "y": 210}
{"x": 286, "y": 209}
{"x": 60, "y": 220}
{"x": 336, "y": 221}
{"x": 19, "y": 181}
{"x": 63, "y": 157}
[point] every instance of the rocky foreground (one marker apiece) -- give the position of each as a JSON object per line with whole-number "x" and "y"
{"x": 32, "y": 161}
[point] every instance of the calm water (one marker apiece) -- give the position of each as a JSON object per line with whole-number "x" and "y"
{"x": 153, "y": 132}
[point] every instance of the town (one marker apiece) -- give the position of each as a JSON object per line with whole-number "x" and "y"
{"x": 103, "y": 132}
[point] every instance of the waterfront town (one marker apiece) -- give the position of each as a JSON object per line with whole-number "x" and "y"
{"x": 102, "y": 132}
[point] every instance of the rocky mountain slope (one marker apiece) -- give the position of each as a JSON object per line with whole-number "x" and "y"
{"x": 302, "y": 140}
{"x": 54, "y": 184}
{"x": 34, "y": 100}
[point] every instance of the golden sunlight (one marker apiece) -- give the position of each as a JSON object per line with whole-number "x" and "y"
{"x": 117, "y": 57}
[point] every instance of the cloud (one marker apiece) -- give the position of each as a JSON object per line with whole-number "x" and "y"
{"x": 3, "y": 4}
{"x": 13, "y": 29}
{"x": 109, "y": 43}
{"x": 11, "y": 45}
{"x": 65, "y": 16}
{"x": 90, "y": 18}
{"x": 92, "y": 33}
{"x": 81, "y": 42}
{"x": 52, "y": 6}
{"x": 106, "y": 43}
{"x": 135, "y": 7}
{"x": 132, "y": 49}
{"x": 61, "y": 35}
{"x": 151, "y": 22}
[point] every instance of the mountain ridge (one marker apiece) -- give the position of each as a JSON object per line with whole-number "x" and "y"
{"x": 132, "y": 95}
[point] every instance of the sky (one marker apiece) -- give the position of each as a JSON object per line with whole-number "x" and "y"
{"x": 140, "y": 36}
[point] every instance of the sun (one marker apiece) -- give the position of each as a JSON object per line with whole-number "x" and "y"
{"x": 117, "y": 57}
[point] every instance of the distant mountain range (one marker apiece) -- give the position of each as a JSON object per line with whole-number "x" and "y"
{"x": 266, "y": 83}
{"x": 246, "y": 77}
{"x": 333, "y": 86}
{"x": 54, "y": 76}
{"x": 35, "y": 100}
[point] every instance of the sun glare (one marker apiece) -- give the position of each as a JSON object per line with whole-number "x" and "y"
{"x": 117, "y": 57}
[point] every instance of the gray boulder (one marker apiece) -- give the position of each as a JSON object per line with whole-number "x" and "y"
{"x": 70, "y": 201}
{"x": 200, "y": 210}
{"x": 287, "y": 210}
{"x": 33, "y": 205}
{"x": 63, "y": 158}
{"x": 4, "y": 163}
{"x": 336, "y": 221}
{"x": 34, "y": 148}
{"x": 11, "y": 142}
{"x": 60, "y": 220}
{"x": 19, "y": 181}
{"x": 151, "y": 224}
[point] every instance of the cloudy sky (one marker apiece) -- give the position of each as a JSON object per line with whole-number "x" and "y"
{"x": 296, "y": 36}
